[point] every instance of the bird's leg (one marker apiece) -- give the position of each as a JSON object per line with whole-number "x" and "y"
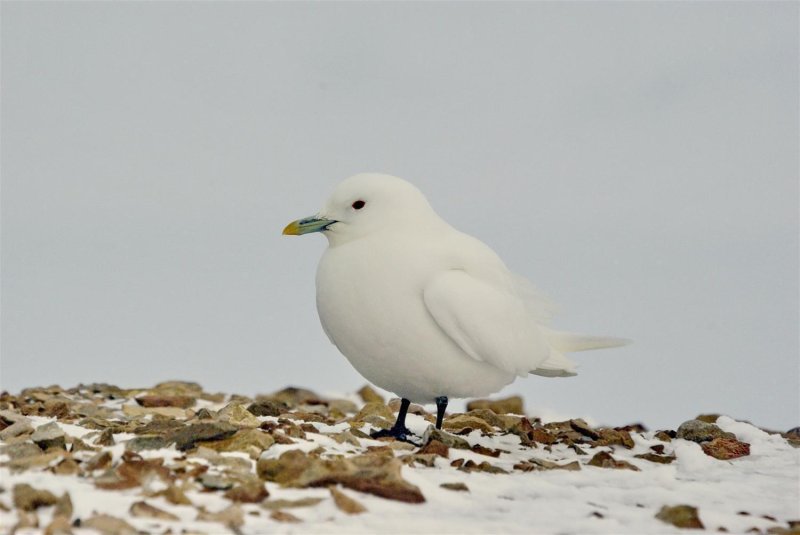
{"x": 399, "y": 429}
{"x": 441, "y": 405}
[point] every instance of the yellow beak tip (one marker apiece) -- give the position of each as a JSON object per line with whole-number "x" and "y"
{"x": 292, "y": 229}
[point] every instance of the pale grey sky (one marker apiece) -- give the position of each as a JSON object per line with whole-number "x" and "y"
{"x": 637, "y": 161}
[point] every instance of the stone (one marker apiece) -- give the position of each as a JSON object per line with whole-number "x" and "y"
{"x": 64, "y": 506}
{"x": 232, "y": 517}
{"x": 665, "y": 436}
{"x": 708, "y": 418}
{"x": 170, "y": 412}
{"x": 267, "y": 407}
{"x": 17, "y": 428}
{"x": 535, "y": 464}
{"x": 177, "y": 388}
{"x": 147, "y": 442}
{"x": 604, "y": 459}
{"x": 106, "y": 438}
{"x": 466, "y": 422}
{"x": 238, "y": 414}
{"x": 373, "y": 408}
{"x": 67, "y": 467}
{"x": 25, "y": 519}
{"x": 614, "y": 437}
{"x": 28, "y": 498}
{"x": 583, "y": 428}
{"x": 345, "y": 503}
{"x": 375, "y": 474}
{"x": 251, "y": 491}
{"x": 215, "y": 481}
{"x": 726, "y": 448}
{"x": 242, "y": 441}
{"x": 108, "y": 525}
{"x": 699, "y": 431}
{"x": 511, "y": 405}
{"x": 472, "y": 466}
{"x": 142, "y": 509}
{"x": 275, "y": 505}
{"x": 459, "y": 487}
{"x": 283, "y": 516}
{"x": 369, "y": 395}
{"x": 292, "y": 396}
{"x": 58, "y": 526}
{"x": 435, "y": 447}
{"x": 187, "y": 437}
{"x": 681, "y": 516}
{"x": 655, "y": 458}
{"x": 451, "y": 441}
{"x": 49, "y": 436}
{"x": 183, "y": 402}
{"x": 21, "y": 450}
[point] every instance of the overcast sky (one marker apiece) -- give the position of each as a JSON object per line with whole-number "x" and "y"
{"x": 637, "y": 161}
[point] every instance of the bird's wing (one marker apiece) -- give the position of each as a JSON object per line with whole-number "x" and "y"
{"x": 489, "y": 324}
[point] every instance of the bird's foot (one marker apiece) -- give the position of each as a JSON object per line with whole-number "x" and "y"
{"x": 402, "y": 434}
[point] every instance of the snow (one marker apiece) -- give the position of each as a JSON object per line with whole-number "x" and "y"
{"x": 738, "y": 495}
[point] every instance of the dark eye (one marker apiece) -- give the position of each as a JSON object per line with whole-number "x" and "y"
{"x": 358, "y": 205}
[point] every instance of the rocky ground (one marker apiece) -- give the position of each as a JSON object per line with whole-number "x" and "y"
{"x": 176, "y": 459}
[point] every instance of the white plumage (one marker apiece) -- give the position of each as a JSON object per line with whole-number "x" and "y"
{"x": 421, "y": 309}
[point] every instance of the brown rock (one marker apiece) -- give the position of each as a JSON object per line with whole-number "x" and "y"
{"x": 374, "y": 474}
{"x": 535, "y": 464}
{"x": 250, "y": 491}
{"x": 64, "y": 506}
{"x": 242, "y": 441}
{"x": 681, "y": 516}
{"x": 143, "y": 509}
{"x": 100, "y": 461}
{"x": 345, "y": 503}
{"x": 283, "y": 516}
{"x": 136, "y": 411}
{"x": 106, "y": 438}
{"x": 28, "y": 498}
{"x": 58, "y": 526}
{"x": 665, "y": 436}
{"x": 49, "y": 436}
{"x": 460, "y": 487}
{"x": 177, "y": 388}
{"x": 267, "y": 407}
{"x": 436, "y": 448}
{"x": 275, "y": 505}
{"x": 466, "y": 422}
{"x": 614, "y": 437}
{"x": 21, "y": 450}
{"x": 187, "y": 437}
{"x": 699, "y": 431}
{"x": 237, "y": 414}
{"x": 605, "y": 460}
{"x": 511, "y": 405}
{"x": 292, "y": 396}
{"x": 472, "y": 466}
{"x": 371, "y": 409}
{"x": 726, "y": 448}
{"x": 369, "y": 395}
{"x": 108, "y": 525}
{"x": 232, "y": 517}
{"x": 183, "y": 402}
{"x": 583, "y": 428}
{"x": 654, "y": 458}
{"x": 451, "y": 441}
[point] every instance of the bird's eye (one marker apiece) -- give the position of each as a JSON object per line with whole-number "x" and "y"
{"x": 358, "y": 205}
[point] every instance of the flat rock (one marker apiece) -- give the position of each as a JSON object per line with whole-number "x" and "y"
{"x": 267, "y": 407}
{"x": 345, "y": 503}
{"x": 28, "y": 498}
{"x": 604, "y": 459}
{"x": 655, "y": 458}
{"x": 374, "y": 474}
{"x": 147, "y": 442}
{"x": 183, "y": 402}
{"x": 186, "y": 437}
{"x": 699, "y": 431}
{"x": 251, "y": 491}
{"x": 458, "y": 487}
{"x": 464, "y": 422}
{"x": 681, "y": 516}
{"x": 237, "y": 414}
{"x": 232, "y": 517}
{"x": 451, "y": 441}
{"x": 109, "y": 525}
{"x": 143, "y": 509}
{"x": 49, "y": 436}
{"x": 511, "y": 405}
{"x": 371, "y": 409}
{"x": 369, "y": 395}
{"x": 726, "y": 448}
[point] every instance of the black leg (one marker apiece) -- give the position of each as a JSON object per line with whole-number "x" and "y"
{"x": 441, "y": 405}
{"x": 399, "y": 429}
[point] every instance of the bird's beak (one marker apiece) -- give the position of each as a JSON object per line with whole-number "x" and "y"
{"x": 307, "y": 225}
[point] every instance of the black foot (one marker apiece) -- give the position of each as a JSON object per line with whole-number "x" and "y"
{"x": 398, "y": 433}
{"x": 441, "y": 406}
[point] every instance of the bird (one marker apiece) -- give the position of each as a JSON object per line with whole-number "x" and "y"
{"x": 423, "y": 310}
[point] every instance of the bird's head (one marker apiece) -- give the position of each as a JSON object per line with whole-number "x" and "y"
{"x": 363, "y": 204}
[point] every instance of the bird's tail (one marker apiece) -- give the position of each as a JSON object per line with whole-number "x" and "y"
{"x": 557, "y": 364}
{"x": 566, "y": 342}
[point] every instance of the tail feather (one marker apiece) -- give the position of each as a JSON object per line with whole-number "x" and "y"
{"x": 568, "y": 342}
